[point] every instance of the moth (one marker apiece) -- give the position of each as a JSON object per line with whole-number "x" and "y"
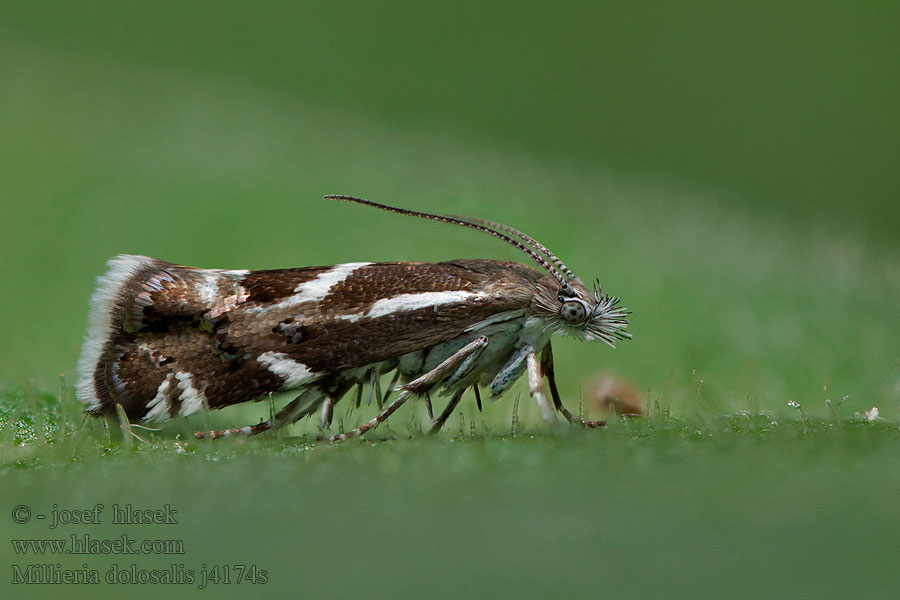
{"x": 167, "y": 341}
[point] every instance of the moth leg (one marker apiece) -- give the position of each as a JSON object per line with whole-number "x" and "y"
{"x": 547, "y": 367}
{"x": 359, "y": 388}
{"x": 334, "y": 393}
{"x": 303, "y": 405}
{"x": 391, "y": 386}
{"x": 464, "y": 369}
{"x": 379, "y": 399}
{"x": 428, "y": 406}
{"x": 121, "y": 430}
{"x": 327, "y": 412}
{"x": 536, "y": 387}
{"x": 417, "y": 387}
{"x": 374, "y": 388}
{"x": 477, "y": 396}
{"x": 247, "y": 430}
{"x": 114, "y": 427}
{"x": 439, "y": 423}
{"x": 510, "y": 372}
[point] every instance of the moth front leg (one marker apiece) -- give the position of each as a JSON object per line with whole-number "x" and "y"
{"x": 547, "y": 368}
{"x": 536, "y": 387}
{"x": 418, "y": 387}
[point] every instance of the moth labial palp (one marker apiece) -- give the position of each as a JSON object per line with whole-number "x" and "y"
{"x": 166, "y": 340}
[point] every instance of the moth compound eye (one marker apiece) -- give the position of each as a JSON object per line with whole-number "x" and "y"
{"x": 573, "y": 312}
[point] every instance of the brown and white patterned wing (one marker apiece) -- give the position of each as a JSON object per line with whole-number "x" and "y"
{"x": 168, "y": 340}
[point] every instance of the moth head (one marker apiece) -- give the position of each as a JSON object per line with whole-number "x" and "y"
{"x": 561, "y": 299}
{"x": 572, "y": 308}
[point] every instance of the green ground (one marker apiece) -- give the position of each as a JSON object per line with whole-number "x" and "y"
{"x": 742, "y": 506}
{"x": 732, "y": 175}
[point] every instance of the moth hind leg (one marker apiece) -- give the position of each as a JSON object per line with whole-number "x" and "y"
{"x": 120, "y": 428}
{"x": 247, "y": 430}
{"x": 305, "y": 404}
{"x": 439, "y": 422}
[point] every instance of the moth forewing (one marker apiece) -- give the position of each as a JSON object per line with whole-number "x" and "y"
{"x": 167, "y": 340}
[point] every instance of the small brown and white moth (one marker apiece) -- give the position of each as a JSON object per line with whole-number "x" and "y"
{"x": 167, "y": 341}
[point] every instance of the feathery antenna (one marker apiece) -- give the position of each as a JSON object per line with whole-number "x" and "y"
{"x": 560, "y": 266}
{"x": 478, "y": 226}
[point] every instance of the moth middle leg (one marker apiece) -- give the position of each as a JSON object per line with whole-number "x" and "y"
{"x": 420, "y": 386}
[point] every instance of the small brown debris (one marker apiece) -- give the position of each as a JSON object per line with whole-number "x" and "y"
{"x": 608, "y": 394}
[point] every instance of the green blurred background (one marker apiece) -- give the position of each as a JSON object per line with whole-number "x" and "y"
{"x": 730, "y": 170}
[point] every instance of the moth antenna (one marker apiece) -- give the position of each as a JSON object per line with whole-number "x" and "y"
{"x": 560, "y": 266}
{"x": 540, "y": 260}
